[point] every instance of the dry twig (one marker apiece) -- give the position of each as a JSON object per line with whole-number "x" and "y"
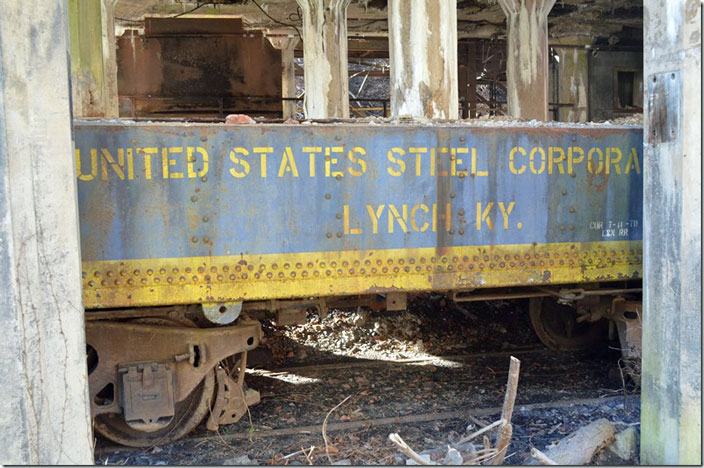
{"x": 481, "y": 431}
{"x": 396, "y": 439}
{"x": 325, "y": 424}
{"x": 295, "y": 453}
{"x": 307, "y": 454}
{"x": 486, "y": 456}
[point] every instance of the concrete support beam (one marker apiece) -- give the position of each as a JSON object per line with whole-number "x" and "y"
{"x": 573, "y": 79}
{"x": 527, "y": 59}
{"x": 325, "y": 58}
{"x": 93, "y": 58}
{"x": 672, "y": 291}
{"x": 423, "y": 58}
{"x": 44, "y": 405}
{"x": 287, "y": 44}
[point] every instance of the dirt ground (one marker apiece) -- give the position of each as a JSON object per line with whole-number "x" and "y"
{"x": 432, "y": 374}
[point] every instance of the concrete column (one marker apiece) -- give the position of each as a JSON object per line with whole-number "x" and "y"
{"x": 287, "y": 44}
{"x": 527, "y": 59}
{"x": 423, "y": 57}
{"x": 672, "y": 290}
{"x": 44, "y": 405}
{"x": 93, "y": 58}
{"x": 325, "y": 58}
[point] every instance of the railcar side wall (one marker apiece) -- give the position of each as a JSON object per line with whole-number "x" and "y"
{"x": 188, "y": 213}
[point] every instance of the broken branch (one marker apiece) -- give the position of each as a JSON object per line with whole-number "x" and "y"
{"x": 403, "y": 446}
{"x": 481, "y": 431}
{"x": 506, "y": 430}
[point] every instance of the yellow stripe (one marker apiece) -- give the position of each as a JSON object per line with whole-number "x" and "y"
{"x": 166, "y": 281}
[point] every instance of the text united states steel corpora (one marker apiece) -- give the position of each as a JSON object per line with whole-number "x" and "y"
{"x": 178, "y": 213}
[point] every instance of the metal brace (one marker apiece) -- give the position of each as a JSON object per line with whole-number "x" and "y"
{"x": 232, "y": 399}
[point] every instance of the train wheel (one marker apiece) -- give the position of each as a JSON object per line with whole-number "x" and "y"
{"x": 557, "y": 327}
{"x": 188, "y": 413}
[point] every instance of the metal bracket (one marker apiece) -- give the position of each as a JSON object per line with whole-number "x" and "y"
{"x": 396, "y": 301}
{"x": 664, "y": 107}
{"x": 629, "y": 321}
{"x": 147, "y": 395}
{"x": 232, "y": 399}
{"x": 222, "y": 313}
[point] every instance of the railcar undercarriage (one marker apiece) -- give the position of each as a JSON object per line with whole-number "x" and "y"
{"x": 156, "y": 373}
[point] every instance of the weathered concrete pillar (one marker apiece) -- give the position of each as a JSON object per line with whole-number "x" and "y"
{"x": 527, "y": 59}
{"x": 44, "y": 405}
{"x": 93, "y": 58}
{"x": 286, "y": 44}
{"x": 672, "y": 290}
{"x": 423, "y": 57}
{"x": 573, "y": 79}
{"x": 325, "y": 58}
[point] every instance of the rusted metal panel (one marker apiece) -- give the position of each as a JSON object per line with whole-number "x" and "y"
{"x": 193, "y": 66}
{"x": 193, "y": 213}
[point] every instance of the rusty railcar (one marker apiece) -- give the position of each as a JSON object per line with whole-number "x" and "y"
{"x": 190, "y": 232}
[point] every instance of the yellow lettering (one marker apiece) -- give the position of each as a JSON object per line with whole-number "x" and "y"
{"x": 93, "y": 165}
{"x": 329, "y": 161}
{"x": 484, "y": 216}
{"x": 475, "y": 172}
{"x": 375, "y": 217}
{"x": 447, "y": 216}
{"x": 506, "y": 211}
{"x": 241, "y": 162}
{"x": 418, "y": 152}
{"x": 148, "y": 152}
{"x": 288, "y": 163}
{"x": 454, "y": 161}
{"x": 192, "y": 159}
{"x": 263, "y": 151}
{"x": 312, "y": 150}
{"x": 130, "y": 162}
{"x": 396, "y": 160}
{"x": 346, "y": 222}
{"x": 414, "y": 224}
{"x": 613, "y": 161}
{"x": 571, "y": 160}
{"x": 442, "y": 173}
{"x": 107, "y": 159}
{"x": 355, "y": 159}
{"x": 172, "y": 162}
{"x": 590, "y": 158}
{"x": 511, "y": 162}
{"x": 633, "y": 161}
{"x": 531, "y": 162}
{"x": 556, "y": 161}
{"x": 402, "y": 220}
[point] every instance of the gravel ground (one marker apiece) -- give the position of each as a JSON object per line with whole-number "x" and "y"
{"x": 436, "y": 359}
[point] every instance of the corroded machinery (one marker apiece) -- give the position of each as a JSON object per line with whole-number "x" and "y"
{"x": 191, "y": 231}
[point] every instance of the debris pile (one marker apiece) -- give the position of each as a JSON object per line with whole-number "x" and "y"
{"x": 475, "y": 456}
{"x": 432, "y": 325}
